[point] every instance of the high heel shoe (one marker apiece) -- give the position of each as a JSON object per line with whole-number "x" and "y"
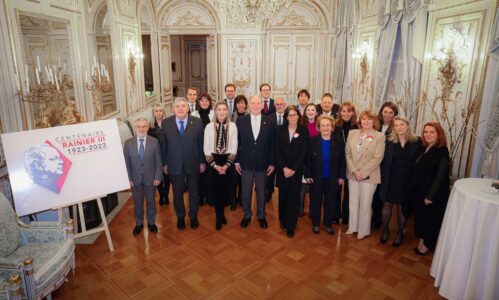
{"x": 384, "y": 237}
{"x": 398, "y": 241}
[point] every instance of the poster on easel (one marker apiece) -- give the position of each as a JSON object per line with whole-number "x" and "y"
{"x": 61, "y": 166}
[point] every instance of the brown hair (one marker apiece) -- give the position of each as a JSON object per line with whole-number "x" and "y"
{"x": 290, "y": 108}
{"x": 350, "y": 107}
{"x": 304, "y": 119}
{"x": 229, "y": 85}
{"x": 328, "y": 95}
{"x": 371, "y": 115}
{"x": 205, "y": 95}
{"x": 265, "y": 84}
{"x": 390, "y": 105}
{"x": 441, "y": 138}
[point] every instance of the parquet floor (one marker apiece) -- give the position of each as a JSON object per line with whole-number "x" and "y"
{"x": 249, "y": 263}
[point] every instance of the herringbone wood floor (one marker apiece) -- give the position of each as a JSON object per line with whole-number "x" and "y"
{"x": 246, "y": 263}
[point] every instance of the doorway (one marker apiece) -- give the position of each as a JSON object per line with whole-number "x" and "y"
{"x": 189, "y": 63}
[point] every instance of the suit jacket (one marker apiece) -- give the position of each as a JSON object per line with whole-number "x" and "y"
{"x": 143, "y": 172}
{"x": 182, "y": 153}
{"x": 273, "y": 117}
{"x": 431, "y": 176}
{"x": 234, "y": 108}
{"x": 234, "y": 116}
{"x": 337, "y": 165}
{"x": 291, "y": 154}
{"x": 414, "y": 150}
{"x": 334, "y": 110}
{"x": 370, "y": 155}
{"x": 271, "y": 107}
{"x": 255, "y": 155}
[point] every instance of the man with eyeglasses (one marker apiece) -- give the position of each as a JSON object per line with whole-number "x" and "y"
{"x": 268, "y": 103}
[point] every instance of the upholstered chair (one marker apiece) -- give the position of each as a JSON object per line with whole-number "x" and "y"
{"x": 41, "y": 254}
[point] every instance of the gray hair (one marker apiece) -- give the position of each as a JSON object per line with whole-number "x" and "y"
{"x": 178, "y": 99}
{"x": 141, "y": 119}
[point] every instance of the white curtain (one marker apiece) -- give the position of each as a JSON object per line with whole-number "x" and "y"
{"x": 400, "y": 52}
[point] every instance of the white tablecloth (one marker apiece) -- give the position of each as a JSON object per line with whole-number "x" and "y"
{"x": 466, "y": 260}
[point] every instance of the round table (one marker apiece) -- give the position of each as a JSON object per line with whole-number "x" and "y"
{"x": 466, "y": 260}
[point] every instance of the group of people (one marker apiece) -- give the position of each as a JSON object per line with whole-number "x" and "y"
{"x": 355, "y": 168}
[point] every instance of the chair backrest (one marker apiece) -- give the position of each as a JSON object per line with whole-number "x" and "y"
{"x": 9, "y": 230}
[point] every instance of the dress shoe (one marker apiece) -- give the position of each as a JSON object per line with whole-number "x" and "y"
{"x": 316, "y": 229}
{"x": 263, "y": 223}
{"x": 283, "y": 226}
{"x": 290, "y": 233}
{"x": 181, "y": 223}
{"x": 330, "y": 230}
{"x": 162, "y": 202}
{"x": 245, "y": 222}
{"x": 218, "y": 226}
{"x": 398, "y": 241}
{"x": 167, "y": 201}
{"x": 153, "y": 228}
{"x": 137, "y": 229}
{"x": 194, "y": 223}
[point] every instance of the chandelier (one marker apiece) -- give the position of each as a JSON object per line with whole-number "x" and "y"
{"x": 249, "y": 11}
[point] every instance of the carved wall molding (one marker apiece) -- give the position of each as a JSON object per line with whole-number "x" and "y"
{"x": 298, "y": 15}
{"x": 186, "y": 15}
{"x": 241, "y": 67}
{"x": 189, "y": 19}
{"x": 293, "y": 19}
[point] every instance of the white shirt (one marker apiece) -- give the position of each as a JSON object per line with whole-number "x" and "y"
{"x": 384, "y": 128}
{"x": 255, "y": 125}
{"x": 301, "y": 109}
{"x": 192, "y": 107}
{"x": 138, "y": 143}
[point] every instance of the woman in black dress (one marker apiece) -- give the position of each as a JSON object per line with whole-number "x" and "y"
{"x": 347, "y": 120}
{"x": 430, "y": 187}
{"x": 158, "y": 113}
{"x": 401, "y": 151}
{"x": 291, "y": 149}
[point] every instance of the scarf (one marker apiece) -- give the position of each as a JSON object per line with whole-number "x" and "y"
{"x": 204, "y": 115}
{"x": 221, "y": 138}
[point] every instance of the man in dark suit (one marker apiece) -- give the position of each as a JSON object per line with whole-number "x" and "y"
{"x": 182, "y": 152}
{"x": 327, "y": 107}
{"x": 255, "y": 158}
{"x": 278, "y": 119}
{"x": 192, "y": 97}
{"x": 230, "y": 95}
{"x": 268, "y": 103}
{"x": 143, "y": 163}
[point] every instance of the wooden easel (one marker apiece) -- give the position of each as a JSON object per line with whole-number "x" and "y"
{"x": 84, "y": 231}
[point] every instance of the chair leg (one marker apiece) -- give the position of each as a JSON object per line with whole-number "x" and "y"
{"x": 29, "y": 278}
{"x": 14, "y": 287}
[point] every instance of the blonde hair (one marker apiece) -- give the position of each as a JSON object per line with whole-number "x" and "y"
{"x": 409, "y": 135}
{"x": 151, "y": 124}
{"x": 325, "y": 117}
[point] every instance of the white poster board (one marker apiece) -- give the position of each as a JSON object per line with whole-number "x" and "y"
{"x": 60, "y": 166}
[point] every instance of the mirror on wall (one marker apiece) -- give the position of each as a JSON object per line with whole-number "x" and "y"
{"x": 48, "y": 70}
{"x": 103, "y": 57}
{"x": 145, "y": 22}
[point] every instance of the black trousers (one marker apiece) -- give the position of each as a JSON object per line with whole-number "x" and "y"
{"x": 377, "y": 206}
{"x": 340, "y": 210}
{"x": 220, "y": 189}
{"x": 322, "y": 197}
{"x": 428, "y": 221}
{"x": 204, "y": 187}
{"x": 178, "y": 184}
{"x": 164, "y": 188}
{"x": 289, "y": 200}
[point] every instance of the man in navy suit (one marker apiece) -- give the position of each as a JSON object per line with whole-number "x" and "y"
{"x": 255, "y": 158}
{"x": 268, "y": 103}
{"x": 182, "y": 153}
{"x": 143, "y": 163}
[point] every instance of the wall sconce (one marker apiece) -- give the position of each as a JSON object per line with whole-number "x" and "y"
{"x": 364, "y": 55}
{"x": 134, "y": 53}
{"x": 449, "y": 54}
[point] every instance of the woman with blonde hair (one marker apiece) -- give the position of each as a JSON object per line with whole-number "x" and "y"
{"x": 364, "y": 152}
{"x": 220, "y": 149}
{"x": 401, "y": 151}
{"x": 159, "y": 114}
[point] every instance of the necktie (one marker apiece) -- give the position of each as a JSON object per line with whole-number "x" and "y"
{"x": 141, "y": 150}
{"x": 279, "y": 122}
{"x": 182, "y": 128}
{"x": 231, "y": 109}
{"x": 192, "y": 108}
{"x": 265, "y": 107}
